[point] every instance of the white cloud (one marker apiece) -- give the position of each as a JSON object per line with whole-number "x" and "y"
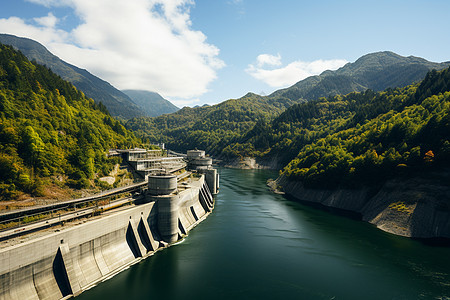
{"x": 182, "y": 102}
{"x": 43, "y": 34}
{"x": 267, "y": 59}
{"x": 139, "y": 44}
{"x": 49, "y": 21}
{"x": 290, "y": 74}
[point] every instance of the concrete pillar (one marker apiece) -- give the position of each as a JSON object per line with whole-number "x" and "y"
{"x": 153, "y": 245}
{"x": 212, "y": 179}
{"x": 70, "y": 271}
{"x": 133, "y": 241}
{"x": 162, "y": 184}
{"x": 168, "y": 217}
{"x": 203, "y": 197}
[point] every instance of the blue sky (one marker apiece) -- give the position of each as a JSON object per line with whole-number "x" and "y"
{"x": 208, "y": 51}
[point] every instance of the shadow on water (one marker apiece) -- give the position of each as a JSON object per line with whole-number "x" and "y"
{"x": 336, "y": 211}
{"x": 433, "y": 242}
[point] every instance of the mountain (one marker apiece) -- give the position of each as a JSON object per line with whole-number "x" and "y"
{"x": 152, "y": 104}
{"x": 50, "y": 133}
{"x": 208, "y": 127}
{"x": 93, "y": 87}
{"x": 364, "y": 137}
{"x": 235, "y": 128}
{"x": 375, "y": 71}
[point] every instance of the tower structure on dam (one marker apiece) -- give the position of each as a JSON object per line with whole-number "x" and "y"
{"x": 182, "y": 205}
{"x": 198, "y": 161}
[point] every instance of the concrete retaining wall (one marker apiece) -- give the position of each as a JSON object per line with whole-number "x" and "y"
{"x": 67, "y": 262}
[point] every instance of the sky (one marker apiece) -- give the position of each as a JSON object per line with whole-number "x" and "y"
{"x": 196, "y": 52}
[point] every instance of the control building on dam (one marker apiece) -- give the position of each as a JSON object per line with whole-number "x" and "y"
{"x": 175, "y": 196}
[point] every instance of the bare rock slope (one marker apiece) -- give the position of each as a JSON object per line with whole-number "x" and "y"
{"x": 413, "y": 207}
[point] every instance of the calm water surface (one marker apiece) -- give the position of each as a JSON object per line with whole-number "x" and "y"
{"x": 258, "y": 245}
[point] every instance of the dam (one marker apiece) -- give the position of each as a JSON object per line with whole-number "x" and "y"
{"x": 62, "y": 262}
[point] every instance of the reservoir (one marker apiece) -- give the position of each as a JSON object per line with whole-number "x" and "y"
{"x": 259, "y": 245}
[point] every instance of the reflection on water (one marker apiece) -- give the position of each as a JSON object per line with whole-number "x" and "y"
{"x": 260, "y": 245}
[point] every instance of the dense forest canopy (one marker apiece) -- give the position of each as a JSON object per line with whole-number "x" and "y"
{"x": 49, "y": 129}
{"x": 211, "y": 128}
{"x": 381, "y": 134}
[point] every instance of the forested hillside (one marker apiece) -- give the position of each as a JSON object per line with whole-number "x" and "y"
{"x": 50, "y": 133}
{"x": 375, "y": 71}
{"x": 252, "y": 126}
{"x": 372, "y": 136}
{"x": 118, "y": 104}
{"x": 211, "y": 128}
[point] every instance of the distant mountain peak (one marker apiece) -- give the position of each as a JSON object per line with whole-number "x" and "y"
{"x": 376, "y": 71}
{"x": 152, "y": 103}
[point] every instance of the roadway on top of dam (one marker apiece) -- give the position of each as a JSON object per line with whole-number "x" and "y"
{"x": 58, "y": 217}
{"x": 42, "y": 208}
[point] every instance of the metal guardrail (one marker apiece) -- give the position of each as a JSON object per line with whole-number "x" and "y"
{"x": 59, "y": 218}
{"x": 60, "y": 205}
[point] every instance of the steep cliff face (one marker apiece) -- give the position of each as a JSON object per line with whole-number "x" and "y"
{"x": 413, "y": 207}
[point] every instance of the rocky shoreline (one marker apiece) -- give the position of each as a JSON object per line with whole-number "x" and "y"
{"x": 252, "y": 163}
{"x": 413, "y": 207}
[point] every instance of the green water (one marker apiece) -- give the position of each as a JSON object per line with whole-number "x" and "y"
{"x": 258, "y": 245}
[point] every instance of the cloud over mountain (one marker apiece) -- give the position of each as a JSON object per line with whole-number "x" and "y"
{"x": 268, "y": 69}
{"x": 140, "y": 44}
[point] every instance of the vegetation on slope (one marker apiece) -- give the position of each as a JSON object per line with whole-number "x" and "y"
{"x": 211, "y": 128}
{"x": 252, "y": 125}
{"x": 406, "y": 128}
{"x": 49, "y": 131}
{"x": 118, "y": 104}
{"x": 375, "y": 71}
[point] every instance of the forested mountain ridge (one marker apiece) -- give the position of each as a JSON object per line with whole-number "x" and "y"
{"x": 93, "y": 87}
{"x": 376, "y": 71}
{"x": 208, "y": 127}
{"x": 218, "y": 129}
{"x": 50, "y": 133}
{"x": 375, "y": 133}
{"x": 153, "y": 104}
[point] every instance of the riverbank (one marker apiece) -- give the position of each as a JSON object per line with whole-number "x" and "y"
{"x": 417, "y": 207}
{"x": 252, "y": 163}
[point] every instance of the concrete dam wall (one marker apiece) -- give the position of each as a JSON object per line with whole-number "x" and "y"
{"x": 66, "y": 262}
